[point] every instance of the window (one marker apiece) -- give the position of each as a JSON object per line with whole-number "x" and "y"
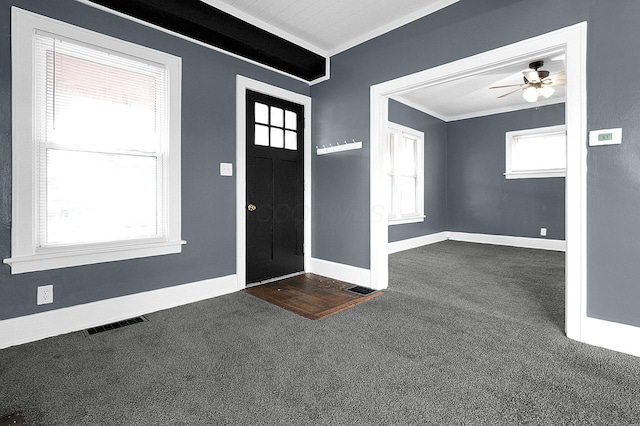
{"x": 404, "y": 164}
{"x": 536, "y": 153}
{"x": 96, "y": 147}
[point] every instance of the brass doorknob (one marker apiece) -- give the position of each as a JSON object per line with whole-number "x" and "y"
{"x": 251, "y": 207}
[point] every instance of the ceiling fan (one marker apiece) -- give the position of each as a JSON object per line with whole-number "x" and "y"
{"x": 537, "y": 82}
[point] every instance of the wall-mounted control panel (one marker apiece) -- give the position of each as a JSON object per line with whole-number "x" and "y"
{"x": 605, "y": 137}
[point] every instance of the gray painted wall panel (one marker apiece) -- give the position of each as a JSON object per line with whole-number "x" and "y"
{"x": 435, "y": 172}
{"x": 480, "y": 199}
{"x": 208, "y": 200}
{"x": 613, "y": 178}
{"x": 473, "y": 26}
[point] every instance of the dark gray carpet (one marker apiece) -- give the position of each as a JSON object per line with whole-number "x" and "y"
{"x": 466, "y": 334}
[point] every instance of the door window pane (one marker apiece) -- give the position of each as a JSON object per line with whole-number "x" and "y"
{"x": 262, "y": 135}
{"x": 277, "y": 138}
{"x": 290, "y": 120}
{"x": 277, "y": 117}
{"x": 261, "y": 113}
{"x": 290, "y": 140}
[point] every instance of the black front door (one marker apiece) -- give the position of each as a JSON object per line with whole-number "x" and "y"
{"x": 275, "y": 187}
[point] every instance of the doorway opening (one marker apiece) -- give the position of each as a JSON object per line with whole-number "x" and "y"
{"x": 572, "y": 42}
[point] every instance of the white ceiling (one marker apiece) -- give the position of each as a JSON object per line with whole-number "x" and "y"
{"x": 471, "y": 97}
{"x": 328, "y": 27}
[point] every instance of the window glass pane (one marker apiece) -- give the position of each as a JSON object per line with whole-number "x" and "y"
{"x": 407, "y": 160}
{"x": 82, "y": 206}
{"x": 407, "y": 195}
{"x": 261, "y": 113}
{"x": 290, "y": 120}
{"x": 388, "y": 160}
{"x": 538, "y": 152}
{"x": 277, "y": 138}
{"x": 389, "y": 188}
{"x": 277, "y": 117}
{"x": 291, "y": 140}
{"x": 262, "y": 135}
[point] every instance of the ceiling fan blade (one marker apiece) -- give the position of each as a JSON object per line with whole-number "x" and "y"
{"x": 507, "y": 94}
{"x": 558, "y": 83}
{"x": 560, "y": 74}
{"x": 508, "y": 85}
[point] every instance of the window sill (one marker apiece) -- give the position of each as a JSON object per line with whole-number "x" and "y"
{"x": 64, "y": 259}
{"x": 535, "y": 175}
{"x": 404, "y": 220}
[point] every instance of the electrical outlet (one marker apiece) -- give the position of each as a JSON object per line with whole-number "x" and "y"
{"x": 543, "y": 232}
{"x": 226, "y": 169}
{"x": 45, "y": 294}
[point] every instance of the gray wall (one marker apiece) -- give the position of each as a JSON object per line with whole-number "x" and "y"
{"x": 208, "y": 200}
{"x": 341, "y": 111}
{"x": 480, "y": 199}
{"x": 435, "y": 172}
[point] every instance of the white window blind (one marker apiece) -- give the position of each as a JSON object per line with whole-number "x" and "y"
{"x": 100, "y": 129}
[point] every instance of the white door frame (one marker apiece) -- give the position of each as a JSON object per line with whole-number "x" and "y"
{"x": 242, "y": 85}
{"x": 572, "y": 41}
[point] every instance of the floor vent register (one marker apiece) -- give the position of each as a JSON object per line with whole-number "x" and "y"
{"x": 360, "y": 290}
{"x": 115, "y": 325}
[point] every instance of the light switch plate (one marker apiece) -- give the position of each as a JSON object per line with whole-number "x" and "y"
{"x": 605, "y": 137}
{"x": 226, "y": 169}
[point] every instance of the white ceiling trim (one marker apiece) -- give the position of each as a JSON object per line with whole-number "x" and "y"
{"x": 507, "y": 109}
{"x": 420, "y": 108}
{"x": 484, "y": 113}
{"x": 433, "y": 7}
{"x": 219, "y": 4}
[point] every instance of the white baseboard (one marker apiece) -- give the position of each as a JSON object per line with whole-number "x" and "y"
{"x": 500, "y": 240}
{"x": 505, "y": 240}
{"x": 342, "y": 272}
{"x": 611, "y": 335}
{"x": 412, "y": 243}
{"x": 29, "y": 328}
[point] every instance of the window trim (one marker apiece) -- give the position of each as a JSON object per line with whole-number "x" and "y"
{"x": 531, "y": 174}
{"x": 25, "y": 256}
{"x": 418, "y": 216}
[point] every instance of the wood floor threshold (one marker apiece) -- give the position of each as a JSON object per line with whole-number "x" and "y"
{"x": 310, "y": 296}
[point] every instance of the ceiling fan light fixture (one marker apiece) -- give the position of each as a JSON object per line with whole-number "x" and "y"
{"x": 530, "y": 94}
{"x": 547, "y": 91}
